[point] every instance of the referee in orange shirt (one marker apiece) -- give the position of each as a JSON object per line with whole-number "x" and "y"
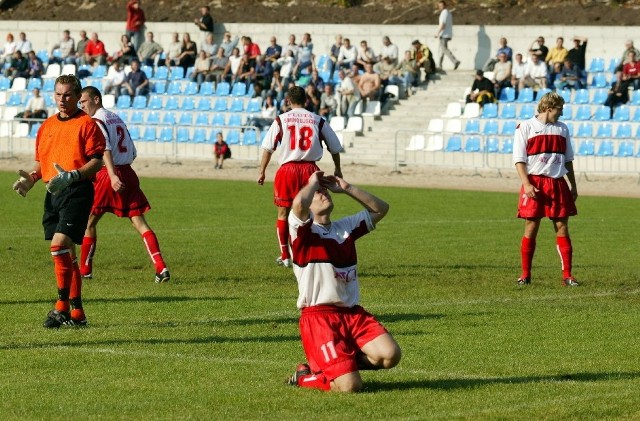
{"x": 69, "y": 149}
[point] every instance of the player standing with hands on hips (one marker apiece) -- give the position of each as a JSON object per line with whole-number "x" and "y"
{"x": 300, "y": 133}
{"x": 543, "y": 157}
{"x": 339, "y": 337}
{"x": 117, "y": 187}
{"x": 69, "y": 150}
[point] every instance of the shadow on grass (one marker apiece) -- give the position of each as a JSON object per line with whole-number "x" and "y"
{"x": 406, "y": 317}
{"x": 464, "y": 383}
{"x": 149, "y": 299}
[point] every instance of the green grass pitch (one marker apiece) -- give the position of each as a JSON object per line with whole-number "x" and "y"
{"x": 219, "y": 340}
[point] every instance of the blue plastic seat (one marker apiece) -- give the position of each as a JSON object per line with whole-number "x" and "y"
{"x": 218, "y": 120}
{"x": 139, "y": 102}
{"x": 188, "y": 104}
{"x": 599, "y": 80}
{"x": 581, "y": 97}
{"x": 235, "y": 120}
{"x": 155, "y": 102}
{"x": 153, "y": 118}
{"x": 186, "y": 119}
{"x": 254, "y": 105}
{"x": 570, "y": 128}
{"x": 134, "y": 132}
{"x": 604, "y": 130}
{"x": 634, "y": 99}
{"x": 124, "y": 101}
{"x": 492, "y": 145}
{"x": 160, "y": 87}
{"x": 149, "y": 134}
{"x": 34, "y": 83}
{"x": 166, "y": 134}
{"x": 490, "y": 110}
{"x": 15, "y": 99}
{"x": 202, "y": 119}
{"x": 583, "y": 113}
{"x": 491, "y": 127}
{"x": 472, "y": 127}
{"x": 239, "y": 89}
{"x": 541, "y": 92}
{"x": 206, "y": 88}
{"x": 162, "y": 73}
{"x": 171, "y": 104}
{"x": 526, "y": 112}
{"x": 5, "y": 83}
{"x": 625, "y": 149}
{"x": 596, "y": 65}
{"x": 623, "y": 131}
{"x": 613, "y": 64}
{"x": 174, "y": 88}
{"x": 147, "y": 70}
{"x": 567, "y": 112}
{"x": 137, "y": 117}
{"x": 200, "y": 135}
{"x": 603, "y": 113}
{"x": 233, "y": 137}
{"x": 49, "y": 85}
{"x": 176, "y": 73}
{"x": 183, "y": 135}
{"x": 525, "y": 95}
{"x": 191, "y": 88}
{"x": 454, "y": 144}
{"x": 507, "y": 94}
{"x": 43, "y": 55}
{"x": 600, "y": 96}
{"x": 322, "y": 62}
{"x": 204, "y": 104}
{"x": 220, "y": 105}
{"x": 169, "y": 118}
{"x": 472, "y": 144}
{"x": 507, "y": 146}
{"x": 237, "y": 105}
{"x": 33, "y": 132}
{"x": 124, "y": 116}
{"x": 249, "y": 137}
{"x": 605, "y": 148}
{"x": 585, "y": 129}
{"x": 586, "y": 148}
{"x": 508, "y": 128}
{"x": 223, "y": 89}
{"x": 566, "y": 95}
{"x": 508, "y": 111}
{"x": 622, "y": 113}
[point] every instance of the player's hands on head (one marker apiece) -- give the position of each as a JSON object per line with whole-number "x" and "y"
{"x": 335, "y": 184}
{"x": 62, "y": 180}
{"x": 24, "y": 183}
{"x": 316, "y": 178}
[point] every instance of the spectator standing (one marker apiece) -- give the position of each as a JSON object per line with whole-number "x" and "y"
{"x": 221, "y": 151}
{"x": 543, "y": 156}
{"x": 95, "y": 49}
{"x": 204, "y": 23}
{"x": 150, "y": 51}
{"x": 325, "y": 265}
{"x": 66, "y": 50}
{"x": 302, "y": 134}
{"x": 445, "y": 34}
{"x": 578, "y": 52}
{"x": 117, "y": 188}
{"x": 135, "y": 23}
{"x": 68, "y": 153}
{"x": 136, "y": 82}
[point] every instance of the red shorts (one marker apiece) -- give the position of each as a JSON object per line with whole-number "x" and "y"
{"x": 332, "y": 337}
{"x": 130, "y": 202}
{"x": 553, "y": 199}
{"x": 290, "y": 179}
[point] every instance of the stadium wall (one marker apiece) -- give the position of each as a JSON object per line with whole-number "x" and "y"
{"x": 472, "y": 44}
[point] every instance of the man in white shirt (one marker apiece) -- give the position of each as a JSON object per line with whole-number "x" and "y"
{"x": 445, "y": 33}
{"x": 347, "y": 55}
{"x": 388, "y": 50}
{"x": 535, "y": 74}
{"x": 23, "y": 44}
{"x": 36, "y": 108}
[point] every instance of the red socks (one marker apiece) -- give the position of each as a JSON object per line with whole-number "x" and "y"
{"x": 87, "y": 250}
{"x": 153, "y": 248}
{"x": 282, "y": 230}
{"x": 63, "y": 268}
{"x": 565, "y": 251}
{"x": 314, "y": 381}
{"x": 527, "y": 249}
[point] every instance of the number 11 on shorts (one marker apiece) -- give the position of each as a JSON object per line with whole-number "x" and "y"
{"x": 329, "y": 351}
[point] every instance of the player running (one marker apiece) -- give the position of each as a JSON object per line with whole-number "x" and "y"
{"x": 301, "y": 133}
{"x": 543, "y": 156}
{"x": 117, "y": 187}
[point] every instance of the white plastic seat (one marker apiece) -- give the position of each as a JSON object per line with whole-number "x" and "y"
{"x": 53, "y": 71}
{"x": 337, "y": 123}
{"x": 453, "y": 125}
{"x": 454, "y": 110}
{"x": 354, "y": 124}
{"x": 416, "y": 143}
{"x": 436, "y": 125}
{"x": 19, "y": 84}
{"x": 372, "y": 109}
{"x": 471, "y": 110}
{"x": 435, "y": 143}
{"x": 68, "y": 69}
{"x": 108, "y": 101}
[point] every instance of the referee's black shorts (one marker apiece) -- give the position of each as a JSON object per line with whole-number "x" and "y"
{"x": 68, "y": 211}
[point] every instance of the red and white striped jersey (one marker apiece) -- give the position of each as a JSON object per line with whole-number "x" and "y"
{"x": 301, "y": 133}
{"x": 325, "y": 259}
{"x": 118, "y": 139}
{"x": 545, "y": 148}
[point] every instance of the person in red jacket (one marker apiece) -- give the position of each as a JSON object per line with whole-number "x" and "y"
{"x": 135, "y": 22}
{"x": 95, "y": 49}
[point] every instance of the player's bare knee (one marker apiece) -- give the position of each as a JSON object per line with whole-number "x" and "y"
{"x": 349, "y": 384}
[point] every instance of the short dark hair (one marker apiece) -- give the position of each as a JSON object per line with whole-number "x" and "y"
{"x": 296, "y": 95}
{"x": 93, "y": 92}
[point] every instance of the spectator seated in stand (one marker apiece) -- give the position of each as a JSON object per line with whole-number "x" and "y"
{"x": 618, "y": 93}
{"x": 329, "y": 102}
{"x": 268, "y": 113}
{"x": 408, "y": 73}
{"x": 126, "y": 53}
{"x": 136, "y": 82}
{"x": 36, "y": 108}
{"x": 481, "y": 90}
{"x": 631, "y": 71}
{"x": 424, "y": 57}
{"x": 570, "y": 77}
{"x": 502, "y": 49}
{"x": 501, "y": 74}
{"x": 535, "y": 74}
{"x": 18, "y": 66}
{"x": 64, "y": 50}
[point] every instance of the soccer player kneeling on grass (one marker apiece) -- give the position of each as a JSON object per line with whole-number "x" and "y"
{"x": 543, "y": 157}
{"x": 339, "y": 337}
{"x": 117, "y": 187}
{"x": 69, "y": 148}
